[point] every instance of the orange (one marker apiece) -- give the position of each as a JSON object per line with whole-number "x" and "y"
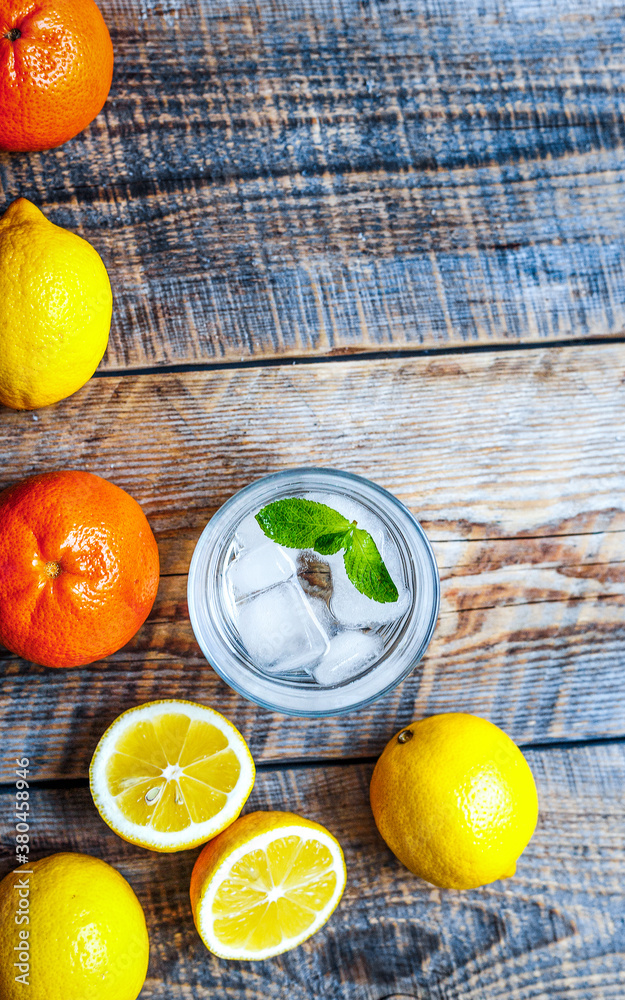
{"x": 78, "y": 568}
{"x": 56, "y": 67}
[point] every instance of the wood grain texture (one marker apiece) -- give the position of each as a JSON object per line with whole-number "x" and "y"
{"x": 513, "y": 462}
{"x": 487, "y": 445}
{"x": 324, "y": 176}
{"x": 553, "y": 932}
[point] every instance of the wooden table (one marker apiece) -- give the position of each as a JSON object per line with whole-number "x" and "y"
{"x": 386, "y": 236}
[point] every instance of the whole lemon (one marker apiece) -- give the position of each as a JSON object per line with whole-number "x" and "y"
{"x": 55, "y": 309}
{"x": 71, "y": 929}
{"x": 455, "y": 800}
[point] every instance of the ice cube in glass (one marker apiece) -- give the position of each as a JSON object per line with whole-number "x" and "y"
{"x": 279, "y": 631}
{"x": 349, "y": 654}
{"x": 249, "y": 534}
{"x": 353, "y": 609}
{"x": 257, "y": 569}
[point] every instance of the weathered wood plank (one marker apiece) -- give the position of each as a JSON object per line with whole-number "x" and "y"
{"x": 513, "y": 461}
{"x": 486, "y": 445}
{"x": 541, "y": 671}
{"x": 328, "y": 175}
{"x": 553, "y": 932}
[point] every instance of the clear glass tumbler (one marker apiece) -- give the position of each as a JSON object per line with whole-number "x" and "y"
{"x": 218, "y": 617}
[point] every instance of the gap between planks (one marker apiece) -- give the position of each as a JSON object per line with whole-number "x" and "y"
{"x": 358, "y": 354}
{"x": 308, "y": 763}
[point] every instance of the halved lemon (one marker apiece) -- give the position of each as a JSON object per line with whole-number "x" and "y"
{"x": 266, "y": 884}
{"x": 170, "y": 775}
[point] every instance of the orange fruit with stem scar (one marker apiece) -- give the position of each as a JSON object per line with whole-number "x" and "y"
{"x": 79, "y": 568}
{"x": 56, "y": 67}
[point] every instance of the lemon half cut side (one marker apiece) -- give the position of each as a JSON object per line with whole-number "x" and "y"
{"x": 169, "y": 775}
{"x": 265, "y": 885}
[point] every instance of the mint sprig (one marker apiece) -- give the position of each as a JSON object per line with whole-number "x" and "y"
{"x": 305, "y": 524}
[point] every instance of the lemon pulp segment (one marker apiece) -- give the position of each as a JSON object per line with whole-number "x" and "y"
{"x": 171, "y": 771}
{"x": 274, "y": 894}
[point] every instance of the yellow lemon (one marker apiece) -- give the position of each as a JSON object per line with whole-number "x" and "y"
{"x": 266, "y": 884}
{"x": 84, "y": 936}
{"x": 55, "y": 309}
{"x": 455, "y": 800}
{"x": 170, "y": 775}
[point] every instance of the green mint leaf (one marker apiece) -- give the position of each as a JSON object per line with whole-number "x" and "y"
{"x": 366, "y": 569}
{"x": 305, "y": 524}
{"x": 297, "y": 523}
{"x": 328, "y": 545}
